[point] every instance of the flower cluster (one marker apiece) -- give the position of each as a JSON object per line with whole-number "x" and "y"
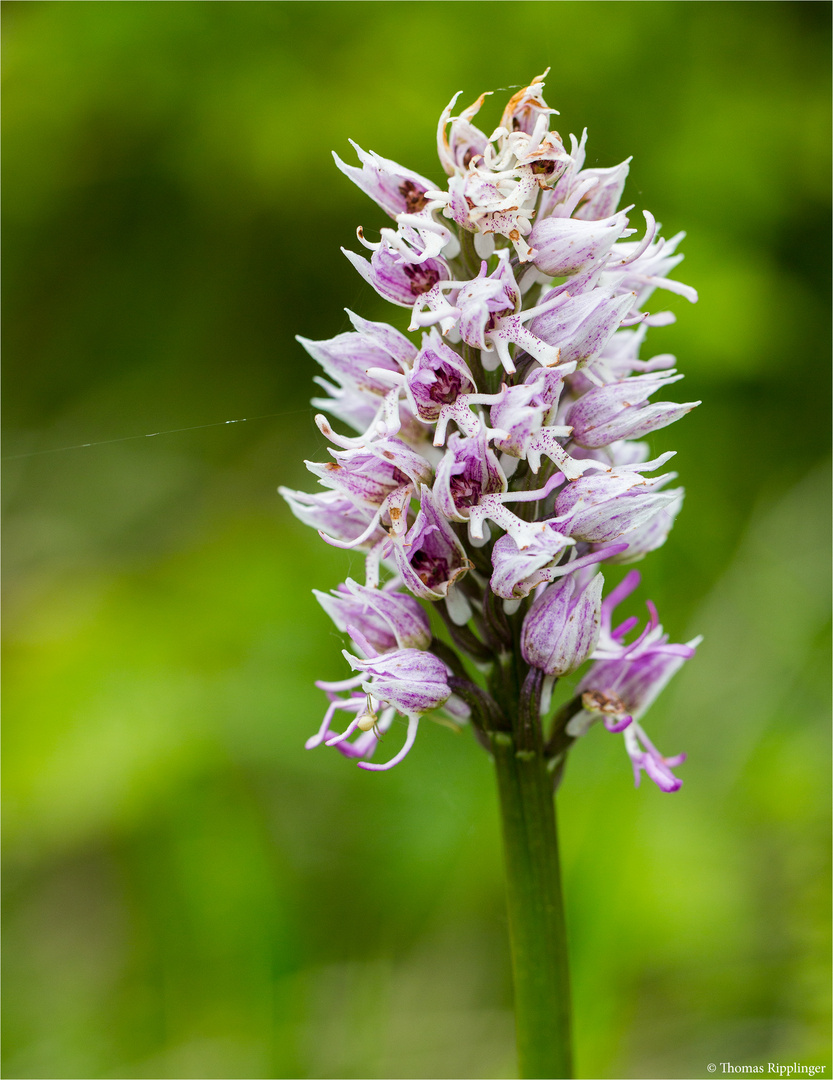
{"x": 495, "y": 461}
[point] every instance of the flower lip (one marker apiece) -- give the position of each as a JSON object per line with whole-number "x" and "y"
{"x": 645, "y": 756}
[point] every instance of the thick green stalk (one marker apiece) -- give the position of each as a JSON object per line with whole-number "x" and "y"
{"x": 536, "y": 913}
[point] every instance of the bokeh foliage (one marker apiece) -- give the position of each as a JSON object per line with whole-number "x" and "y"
{"x": 190, "y": 894}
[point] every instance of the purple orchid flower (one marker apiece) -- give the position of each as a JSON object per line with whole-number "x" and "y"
{"x": 397, "y": 279}
{"x": 395, "y": 189}
{"x": 619, "y": 410}
{"x": 518, "y": 571}
{"x": 606, "y": 506}
{"x": 430, "y": 557}
{"x": 411, "y": 681}
{"x": 484, "y": 300}
{"x": 625, "y": 680}
{"x": 468, "y": 471}
{"x": 388, "y": 620}
{"x": 580, "y": 326}
{"x": 348, "y": 359}
{"x": 438, "y": 377}
{"x": 565, "y": 246}
{"x": 458, "y": 140}
{"x": 562, "y": 627}
{"x": 335, "y": 514}
{"x": 369, "y": 474}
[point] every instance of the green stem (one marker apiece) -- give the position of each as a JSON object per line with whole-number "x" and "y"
{"x": 471, "y": 260}
{"x": 536, "y": 915}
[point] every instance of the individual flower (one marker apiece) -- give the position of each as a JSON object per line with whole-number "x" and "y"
{"x": 395, "y": 189}
{"x": 491, "y": 320}
{"x": 430, "y": 557}
{"x": 468, "y": 471}
{"x": 402, "y": 281}
{"x": 580, "y": 326}
{"x": 356, "y": 395}
{"x": 523, "y": 409}
{"x": 411, "y": 681}
{"x": 408, "y": 681}
{"x": 562, "y": 627}
{"x": 335, "y": 515}
{"x": 385, "y": 618}
{"x": 619, "y": 410}
{"x": 626, "y": 679}
{"x": 438, "y": 377}
{"x": 518, "y": 571}
{"x": 565, "y": 246}
{"x": 369, "y": 474}
{"x": 607, "y": 506}
{"x": 484, "y": 300}
{"x": 522, "y": 417}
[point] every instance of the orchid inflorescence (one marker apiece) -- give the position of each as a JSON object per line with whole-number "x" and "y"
{"x": 497, "y": 464}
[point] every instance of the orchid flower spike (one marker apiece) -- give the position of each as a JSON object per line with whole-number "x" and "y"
{"x": 487, "y": 462}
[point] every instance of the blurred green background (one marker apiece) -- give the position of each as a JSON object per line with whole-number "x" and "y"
{"x": 188, "y": 892}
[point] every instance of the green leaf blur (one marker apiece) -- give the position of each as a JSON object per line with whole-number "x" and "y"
{"x": 188, "y": 892}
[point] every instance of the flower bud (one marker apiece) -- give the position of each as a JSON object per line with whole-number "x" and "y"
{"x": 562, "y": 627}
